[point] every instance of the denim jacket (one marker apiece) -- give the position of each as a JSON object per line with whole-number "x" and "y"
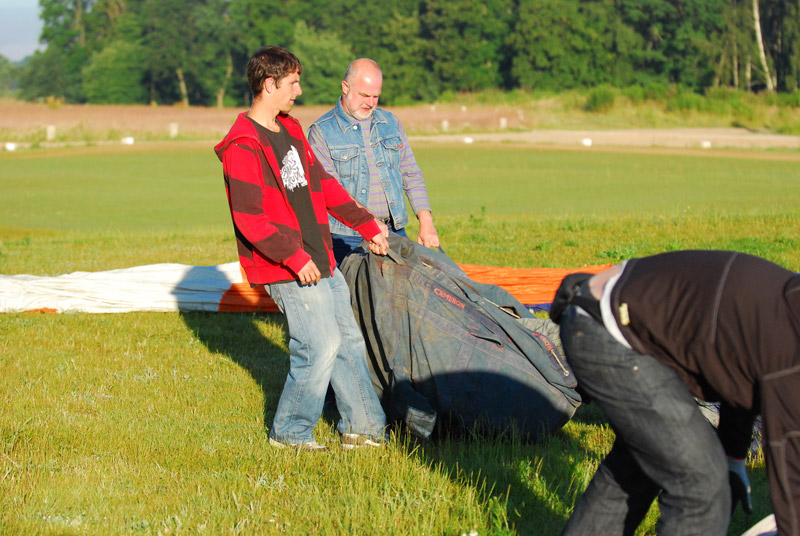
{"x": 338, "y": 144}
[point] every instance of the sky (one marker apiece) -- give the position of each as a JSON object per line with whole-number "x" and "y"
{"x": 19, "y": 28}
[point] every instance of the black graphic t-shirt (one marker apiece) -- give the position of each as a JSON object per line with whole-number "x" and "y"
{"x": 296, "y": 185}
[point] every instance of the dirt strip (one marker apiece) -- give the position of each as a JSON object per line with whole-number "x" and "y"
{"x": 696, "y": 138}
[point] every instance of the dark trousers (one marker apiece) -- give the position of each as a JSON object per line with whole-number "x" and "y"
{"x": 343, "y": 245}
{"x": 664, "y": 446}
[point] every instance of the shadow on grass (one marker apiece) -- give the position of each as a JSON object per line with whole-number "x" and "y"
{"x": 527, "y": 487}
{"x": 257, "y": 342}
{"x": 530, "y": 488}
{"x": 528, "y": 484}
{"x": 239, "y": 337}
{"x": 254, "y": 341}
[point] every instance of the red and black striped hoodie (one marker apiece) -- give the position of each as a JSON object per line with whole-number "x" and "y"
{"x": 267, "y": 230}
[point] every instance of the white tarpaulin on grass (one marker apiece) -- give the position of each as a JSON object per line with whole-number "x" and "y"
{"x": 155, "y": 287}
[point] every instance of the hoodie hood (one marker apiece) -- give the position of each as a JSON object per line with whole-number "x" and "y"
{"x": 242, "y": 128}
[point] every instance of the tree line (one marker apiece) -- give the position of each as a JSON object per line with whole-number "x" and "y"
{"x": 194, "y": 52}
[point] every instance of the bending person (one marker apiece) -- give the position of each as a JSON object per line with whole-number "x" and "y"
{"x": 644, "y": 339}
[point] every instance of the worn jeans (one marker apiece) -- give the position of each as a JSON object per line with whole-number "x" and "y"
{"x": 325, "y": 347}
{"x": 664, "y": 446}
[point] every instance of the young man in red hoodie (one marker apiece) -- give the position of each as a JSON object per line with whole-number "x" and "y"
{"x": 280, "y": 198}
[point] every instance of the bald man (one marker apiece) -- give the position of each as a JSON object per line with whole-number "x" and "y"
{"x": 367, "y": 150}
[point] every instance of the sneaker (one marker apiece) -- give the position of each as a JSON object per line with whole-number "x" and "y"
{"x": 309, "y": 445}
{"x": 356, "y": 441}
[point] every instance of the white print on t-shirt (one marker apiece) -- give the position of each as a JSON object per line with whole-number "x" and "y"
{"x": 292, "y": 170}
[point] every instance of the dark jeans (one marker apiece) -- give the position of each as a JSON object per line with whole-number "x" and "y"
{"x": 343, "y": 245}
{"x": 663, "y": 443}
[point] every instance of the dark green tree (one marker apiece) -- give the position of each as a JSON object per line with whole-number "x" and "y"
{"x": 679, "y": 38}
{"x": 465, "y": 41}
{"x": 216, "y": 45}
{"x": 64, "y": 22}
{"x": 735, "y": 45}
{"x": 562, "y": 44}
{"x": 324, "y": 58}
{"x": 57, "y": 70}
{"x": 171, "y": 44}
{"x": 114, "y": 75}
{"x": 9, "y": 77}
{"x": 261, "y": 23}
{"x": 400, "y": 51}
{"x": 359, "y": 27}
{"x": 197, "y": 51}
{"x": 389, "y": 33}
{"x": 255, "y": 23}
{"x": 115, "y": 20}
{"x": 780, "y": 25}
{"x": 52, "y": 73}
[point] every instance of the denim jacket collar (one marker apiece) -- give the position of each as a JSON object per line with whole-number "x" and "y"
{"x": 347, "y": 122}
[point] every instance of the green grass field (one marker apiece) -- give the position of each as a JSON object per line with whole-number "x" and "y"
{"x": 154, "y": 423}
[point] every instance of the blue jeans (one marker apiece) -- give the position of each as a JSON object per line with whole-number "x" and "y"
{"x": 664, "y": 446}
{"x": 343, "y": 245}
{"x": 325, "y": 347}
